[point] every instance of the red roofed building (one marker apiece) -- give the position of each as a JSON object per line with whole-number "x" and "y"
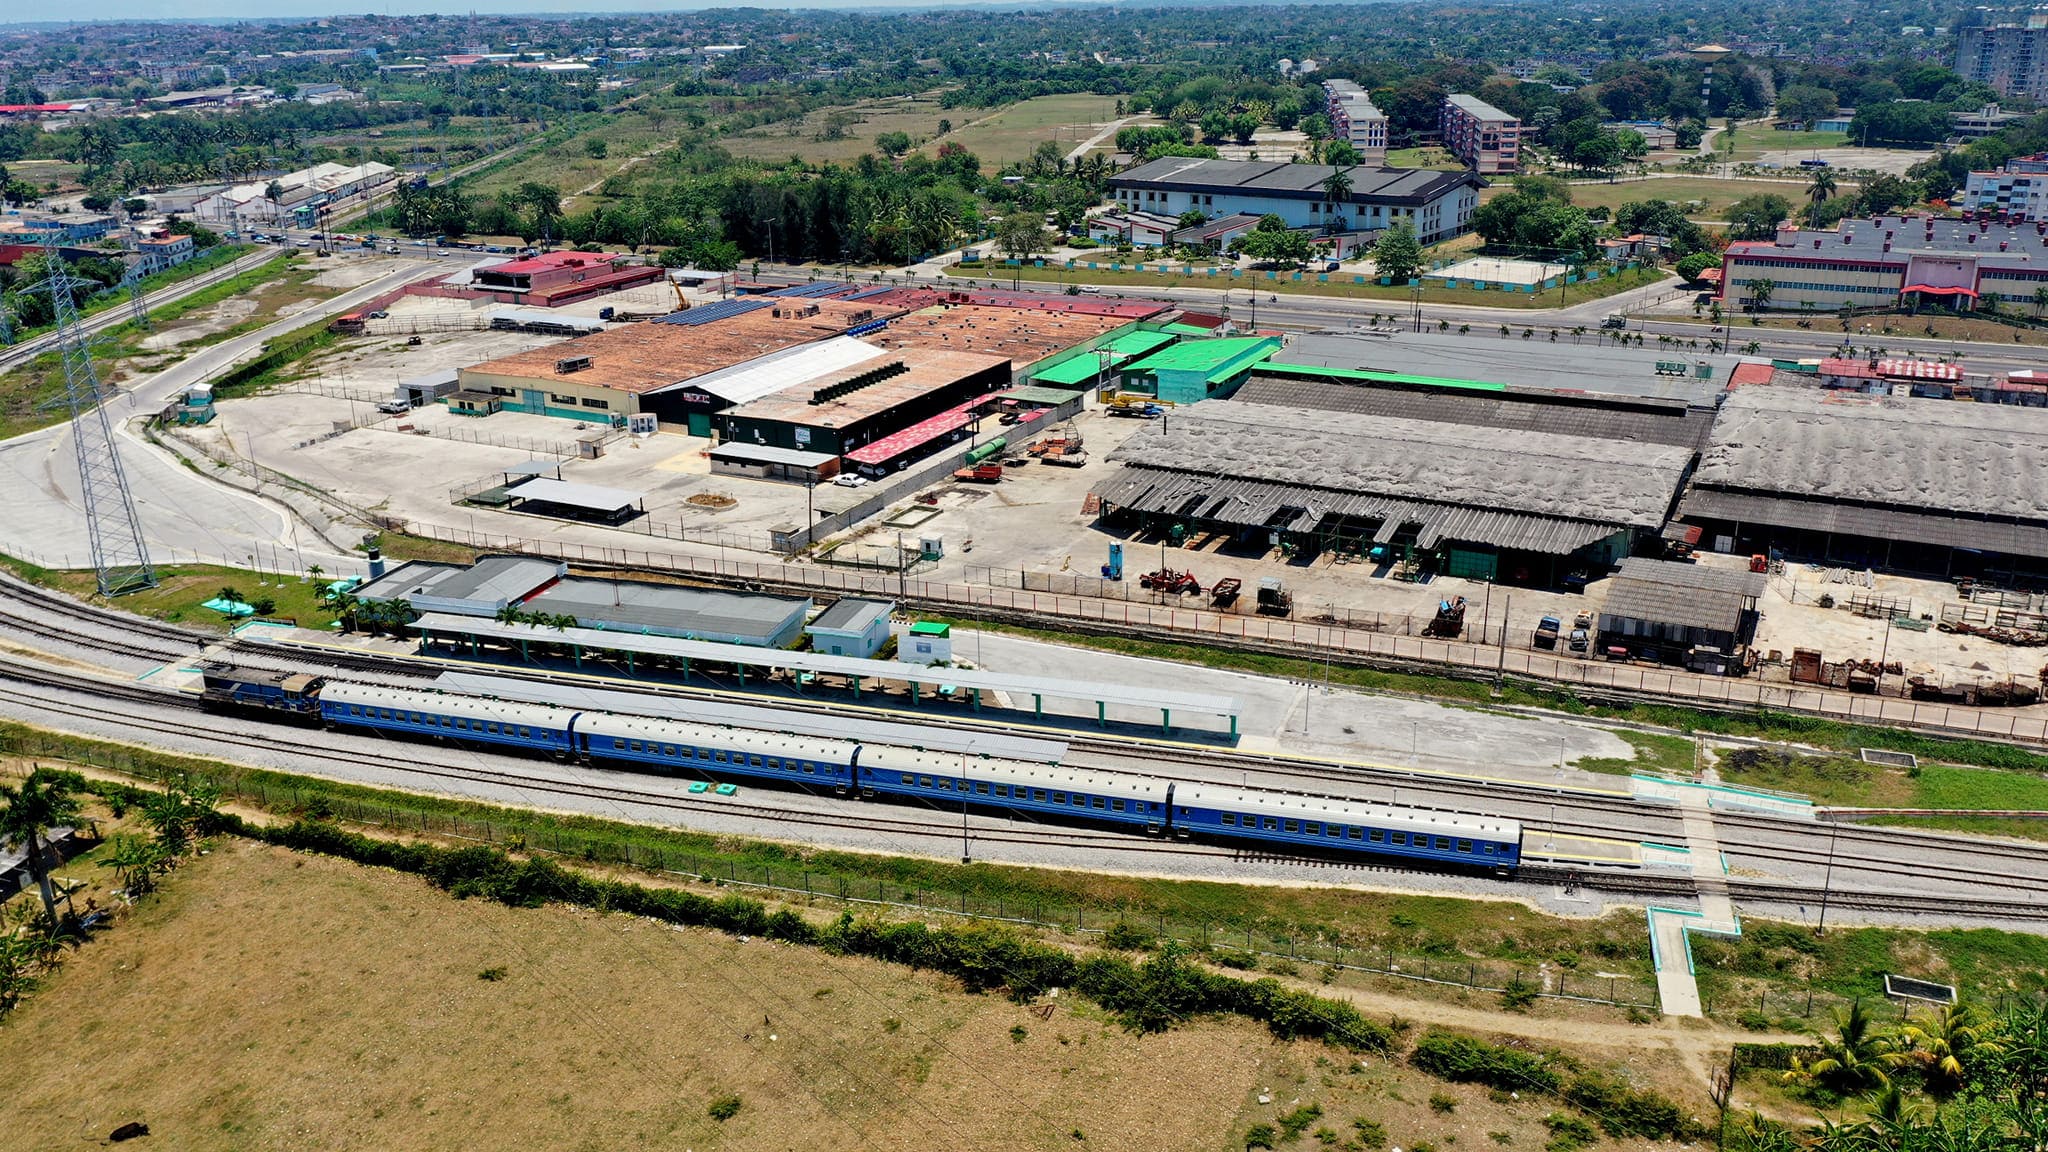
{"x": 560, "y": 277}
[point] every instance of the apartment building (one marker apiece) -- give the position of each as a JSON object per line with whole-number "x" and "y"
{"x": 1354, "y": 118}
{"x": 2011, "y": 58}
{"x": 2016, "y": 191}
{"x": 1487, "y": 139}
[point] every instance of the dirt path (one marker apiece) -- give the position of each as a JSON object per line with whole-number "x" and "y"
{"x": 1703, "y": 1048}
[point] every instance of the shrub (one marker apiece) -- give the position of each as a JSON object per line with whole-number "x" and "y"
{"x": 1242, "y": 961}
{"x": 1125, "y": 936}
{"x": 1442, "y": 1102}
{"x": 1450, "y": 1056}
{"x": 1018, "y": 1032}
{"x": 1518, "y": 995}
{"x": 1259, "y": 1136}
{"x": 1294, "y": 1123}
{"x": 1371, "y": 1133}
{"x": 491, "y": 975}
{"x": 1625, "y": 1111}
{"x": 723, "y": 1108}
{"x": 1568, "y": 1133}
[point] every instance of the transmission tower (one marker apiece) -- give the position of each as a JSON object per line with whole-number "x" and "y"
{"x": 138, "y": 315}
{"x": 119, "y": 554}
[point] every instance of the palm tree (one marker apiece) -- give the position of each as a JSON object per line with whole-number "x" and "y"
{"x": 1336, "y": 191}
{"x": 1819, "y": 189}
{"x": 1942, "y": 1045}
{"x": 1760, "y": 294}
{"x": 1853, "y": 1061}
{"x": 2040, "y": 300}
{"x": 136, "y": 860}
{"x": 315, "y": 571}
{"x": 28, "y": 814}
{"x": 510, "y": 614}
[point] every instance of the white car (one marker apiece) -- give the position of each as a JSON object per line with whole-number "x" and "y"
{"x": 851, "y": 480}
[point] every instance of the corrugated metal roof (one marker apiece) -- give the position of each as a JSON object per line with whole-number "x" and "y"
{"x": 1666, "y": 604}
{"x": 1245, "y": 503}
{"x": 595, "y": 497}
{"x": 1654, "y": 422}
{"x": 763, "y": 375}
{"x": 1843, "y": 519}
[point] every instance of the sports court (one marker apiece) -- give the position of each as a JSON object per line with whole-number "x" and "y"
{"x": 1491, "y": 270}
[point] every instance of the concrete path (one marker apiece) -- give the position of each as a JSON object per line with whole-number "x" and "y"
{"x": 1108, "y": 130}
{"x": 1678, "y": 988}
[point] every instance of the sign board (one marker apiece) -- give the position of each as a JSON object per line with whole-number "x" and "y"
{"x": 803, "y": 436}
{"x": 643, "y": 423}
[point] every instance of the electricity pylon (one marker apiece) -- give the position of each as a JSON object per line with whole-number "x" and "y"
{"x": 120, "y": 557}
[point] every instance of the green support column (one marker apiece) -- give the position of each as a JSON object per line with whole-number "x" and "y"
{"x": 476, "y": 647}
{"x": 977, "y": 698}
{"x": 524, "y": 654}
{"x": 1166, "y": 721}
{"x": 1233, "y": 725}
{"x": 686, "y": 669}
{"x": 629, "y": 663}
{"x": 856, "y": 686}
{"x": 913, "y": 693}
{"x": 742, "y": 670}
{"x": 1101, "y": 714}
{"x": 577, "y": 650}
{"x": 1037, "y": 706}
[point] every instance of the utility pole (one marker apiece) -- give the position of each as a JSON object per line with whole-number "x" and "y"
{"x": 1827, "y": 880}
{"x": 120, "y": 556}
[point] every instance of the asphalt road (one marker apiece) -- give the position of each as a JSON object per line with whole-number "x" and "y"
{"x": 29, "y": 349}
{"x": 182, "y": 511}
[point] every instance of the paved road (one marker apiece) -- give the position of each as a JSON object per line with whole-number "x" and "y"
{"x": 182, "y": 512}
{"x": 29, "y": 349}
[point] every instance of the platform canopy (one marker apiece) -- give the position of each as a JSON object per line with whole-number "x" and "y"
{"x": 915, "y": 676}
{"x": 570, "y": 494}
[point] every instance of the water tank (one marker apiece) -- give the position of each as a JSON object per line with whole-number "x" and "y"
{"x": 977, "y": 455}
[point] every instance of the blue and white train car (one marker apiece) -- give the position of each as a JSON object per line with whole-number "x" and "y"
{"x": 535, "y": 727}
{"x": 677, "y": 745}
{"x": 1047, "y": 790}
{"x": 1283, "y": 819}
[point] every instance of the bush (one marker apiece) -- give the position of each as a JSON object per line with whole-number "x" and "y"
{"x": 1294, "y": 1123}
{"x": 1568, "y": 1133}
{"x": 1624, "y": 1111}
{"x": 723, "y": 1108}
{"x": 1371, "y": 1133}
{"x": 1442, "y": 1102}
{"x": 1449, "y": 1056}
{"x": 1127, "y": 937}
{"x": 1518, "y": 995}
{"x": 1259, "y": 1136}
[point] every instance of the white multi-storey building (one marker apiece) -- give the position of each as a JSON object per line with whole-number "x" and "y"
{"x": 1356, "y": 119}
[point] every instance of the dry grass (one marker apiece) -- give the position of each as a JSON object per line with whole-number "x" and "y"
{"x": 917, "y": 115}
{"x": 1009, "y": 134}
{"x": 267, "y": 1000}
{"x": 273, "y": 1001}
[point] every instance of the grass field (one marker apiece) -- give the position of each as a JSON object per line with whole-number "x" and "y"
{"x": 1714, "y": 195}
{"x": 567, "y": 164}
{"x": 917, "y": 115}
{"x": 183, "y": 588}
{"x": 1435, "y": 158}
{"x": 1007, "y": 135}
{"x": 1338, "y": 285}
{"x": 1751, "y": 143}
{"x": 46, "y": 175}
{"x": 1895, "y": 333}
{"x": 270, "y": 1000}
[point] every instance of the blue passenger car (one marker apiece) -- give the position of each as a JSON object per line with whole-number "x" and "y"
{"x": 1301, "y": 822}
{"x": 535, "y": 727}
{"x": 987, "y": 782}
{"x": 718, "y": 750}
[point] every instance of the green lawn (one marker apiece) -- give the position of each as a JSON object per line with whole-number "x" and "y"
{"x": 1435, "y": 158}
{"x": 182, "y": 588}
{"x": 1751, "y": 143}
{"x": 1655, "y": 752}
{"x": 1339, "y": 284}
{"x": 1714, "y": 195}
{"x": 1001, "y": 137}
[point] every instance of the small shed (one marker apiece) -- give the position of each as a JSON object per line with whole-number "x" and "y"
{"x": 852, "y": 627}
{"x": 926, "y": 642}
{"x": 1665, "y": 610}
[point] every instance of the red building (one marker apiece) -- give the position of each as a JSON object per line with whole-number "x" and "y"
{"x": 560, "y": 277}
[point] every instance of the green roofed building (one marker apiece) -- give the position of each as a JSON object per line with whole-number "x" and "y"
{"x": 1085, "y": 367}
{"x": 1194, "y": 370}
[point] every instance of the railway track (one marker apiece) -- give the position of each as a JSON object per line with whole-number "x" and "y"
{"x": 873, "y": 819}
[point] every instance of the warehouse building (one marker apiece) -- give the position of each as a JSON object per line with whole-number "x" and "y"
{"x": 1913, "y": 485}
{"x": 1564, "y": 388}
{"x": 1681, "y": 613}
{"x": 1890, "y": 261}
{"x": 837, "y": 412}
{"x": 634, "y": 368}
{"x": 851, "y": 627}
{"x": 1438, "y": 205}
{"x": 674, "y": 610}
{"x": 484, "y": 588}
{"x": 1191, "y": 370}
{"x": 555, "y": 278}
{"x": 1477, "y": 502}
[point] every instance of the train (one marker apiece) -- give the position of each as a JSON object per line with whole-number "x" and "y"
{"x": 868, "y": 770}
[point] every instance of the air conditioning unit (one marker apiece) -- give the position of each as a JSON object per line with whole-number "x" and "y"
{"x": 568, "y": 364}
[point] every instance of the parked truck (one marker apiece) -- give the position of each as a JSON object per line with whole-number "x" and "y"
{"x": 979, "y": 474}
{"x": 1547, "y": 631}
